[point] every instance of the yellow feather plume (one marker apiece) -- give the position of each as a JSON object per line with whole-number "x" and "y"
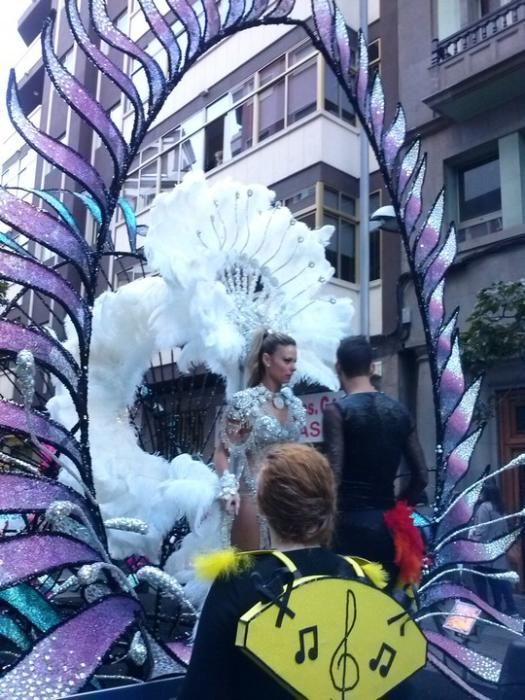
{"x": 221, "y": 564}
{"x": 377, "y": 575}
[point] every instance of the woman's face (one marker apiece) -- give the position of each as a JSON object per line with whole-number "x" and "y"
{"x": 280, "y": 365}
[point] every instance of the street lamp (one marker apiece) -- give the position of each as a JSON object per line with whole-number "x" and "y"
{"x": 384, "y": 218}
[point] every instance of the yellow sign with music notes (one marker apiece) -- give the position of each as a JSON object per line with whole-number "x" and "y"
{"x": 333, "y": 639}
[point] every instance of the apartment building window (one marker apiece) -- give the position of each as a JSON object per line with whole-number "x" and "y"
{"x": 375, "y": 239}
{"x": 479, "y": 198}
{"x": 454, "y": 15}
{"x": 335, "y": 100}
{"x": 339, "y": 211}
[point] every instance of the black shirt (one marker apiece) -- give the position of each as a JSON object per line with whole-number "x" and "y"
{"x": 366, "y": 435}
{"x": 218, "y": 669}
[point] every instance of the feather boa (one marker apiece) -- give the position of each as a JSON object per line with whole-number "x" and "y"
{"x": 407, "y": 541}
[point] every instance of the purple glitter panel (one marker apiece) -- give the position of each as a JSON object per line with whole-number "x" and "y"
{"x": 235, "y": 13}
{"x": 444, "y": 343}
{"x": 394, "y": 137}
{"x": 61, "y": 663}
{"x": 459, "y": 421}
{"x": 414, "y": 203}
{"x": 436, "y": 309}
{"x": 461, "y": 512}
{"x": 447, "y": 591}
{"x": 408, "y": 165}
{"x": 26, "y": 556}
{"x": 163, "y": 32}
{"x": 324, "y": 24}
{"x": 283, "y": 9}
{"x": 481, "y": 666}
{"x": 45, "y": 349}
{"x": 429, "y": 236}
{"x": 258, "y": 7}
{"x": 64, "y": 157}
{"x": 213, "y": 18}
{"x": 189, "y": 19}
{"x": 114, "y": 37}
{"x": 468, "y": 551}
{"x": 459, "y": 460}
{"x": 377, "y": 108}
{"x": 452, "y": 382}
{"x": 44, "y": 229}
{"x": 441, "y": 262}
{"x": 81, "y": 102}
{"x": 42, "y": 278}
{"x": 362, "y": 76}
{"x": 110, "y": 70}
{"x": 14, "y": 417}
{"x": 342, "y": 42}
{"x": 20, "y": 493}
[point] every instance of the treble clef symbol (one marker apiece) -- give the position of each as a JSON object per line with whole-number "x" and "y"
{"x": 344, "y": 670}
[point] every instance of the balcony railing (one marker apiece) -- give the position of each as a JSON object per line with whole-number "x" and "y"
{"x": 484, "y": 29}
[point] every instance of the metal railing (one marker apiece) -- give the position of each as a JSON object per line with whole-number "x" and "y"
{"x": 478, "y": 32}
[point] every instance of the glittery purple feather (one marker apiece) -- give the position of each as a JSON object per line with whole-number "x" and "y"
{"x": 459, "y": 460}
{"x": 45, "y": 349}
{"x": 448, "y": 591}
{"x": 14, "y": 417}
{"x": 64, "y": 157}
{"x": 468, "y": 551}
{"x": 45, "y": 229}
{"x": 258, "y": 7}
{"x": 283, "y": 9}
{"x": 441, "y": 262}
{"x": 62, "y": 663}
{"x": 377, "y": 108}
{"x": 114, "y": 37}
{"x": 213, "y": 18}
{"x": 444, "y": 342}
{"x": 461, "y": 512}
{"x": 103, "y": 63}
{"x": 27, "y": 556}
{"x": 429, "y": 236}
{"x": 235, "y": 13}
{"x": 15, "y": 268}
{"x": 342, "y": 44}
{"x": 414, "y": 202}
{"x": 20, "y": 493}
{"x": 452, "y": 382}
{"x": 163, "y": 32}
{"x": 482, "y": 666}
{"x": 190, "y": 22}
{"x": 408, "y": 165}
{"x": 394, "y": 137}
{"x": 436, "y": 309}
{"x": 81, "y": 101}
{"x": 459, "y": 420}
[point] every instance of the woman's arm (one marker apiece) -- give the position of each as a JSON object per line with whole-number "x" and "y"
{"x": 334, "y": 439}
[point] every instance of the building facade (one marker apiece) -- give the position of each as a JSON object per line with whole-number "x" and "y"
{"x": 460, "y": 79}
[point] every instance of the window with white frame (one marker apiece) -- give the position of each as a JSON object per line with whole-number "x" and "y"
{"x": 454, "y": 15}
{"x": 479, "y": 198}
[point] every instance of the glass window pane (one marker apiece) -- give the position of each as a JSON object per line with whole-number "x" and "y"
{"x": 271, "y": 110}
{"x": 347, "y": 250}
{"x": 331, "y": 198}
{"x": 347, "y": 111}
{"x": 245, "y": 89}
{"x": 348, "y": 205}
{"x": 272, "y": 71}
{"x": 331, "y": 91}
{"x": 192, "y": 153}
{"x": 170, "y": 169}
{"x": 131, "y": 189}
{"x": 214, "y": 144}
{"x": 479, "y": 190}
{"x": 302, "y": 92}
{"x": 148, "y": 185}
{"x": 375, "y": 255}
{"x": 301, "y": 52}
{"x": 301, "y": 200}
{"x": 171, "y": 137}
{"x": 238, "y": 129}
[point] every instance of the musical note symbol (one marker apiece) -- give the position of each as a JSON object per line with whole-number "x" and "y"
{"x": 313, "y": 652}
{"x": 344, "y": 670}
{"x": 384, "y": 668}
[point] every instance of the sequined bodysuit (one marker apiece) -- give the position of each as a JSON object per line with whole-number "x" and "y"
{"x": 249, "y": 426}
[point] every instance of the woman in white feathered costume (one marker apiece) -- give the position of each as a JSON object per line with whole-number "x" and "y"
{"x": 228, "y": 263}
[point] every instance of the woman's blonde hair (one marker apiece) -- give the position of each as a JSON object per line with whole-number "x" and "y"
{"x": 296, "y": 492}
{"x": 264, "y": 342}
